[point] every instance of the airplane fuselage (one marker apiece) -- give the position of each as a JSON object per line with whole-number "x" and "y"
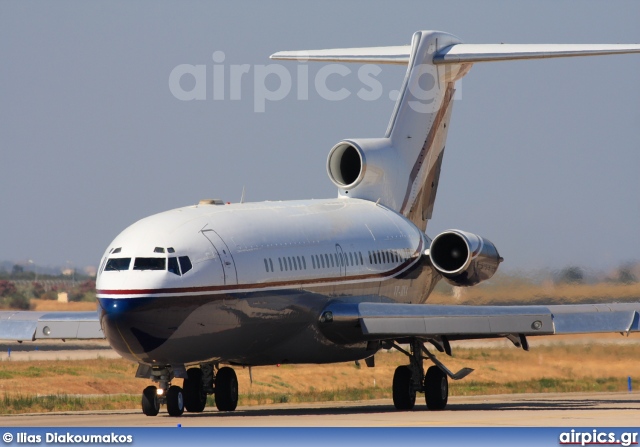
{"x": 246, "y": 283}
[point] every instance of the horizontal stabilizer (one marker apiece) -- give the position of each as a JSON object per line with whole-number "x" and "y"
{"x": 371, "y": 55}
{"x": 458, "y": 54}
{"x": 471, "y": 53}
{"x": 29, "y": 326}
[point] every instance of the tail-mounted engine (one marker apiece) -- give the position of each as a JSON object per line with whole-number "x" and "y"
{"x": 361, "y": 168}
{"x": 464, "y": 259}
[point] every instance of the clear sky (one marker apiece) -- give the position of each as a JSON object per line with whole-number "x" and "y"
{"x": 542, "y": 156}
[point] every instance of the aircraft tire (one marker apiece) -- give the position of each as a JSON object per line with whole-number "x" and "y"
{"x": 150, "y": 404}
{"x": 436, "y": 388}
{"x": 175, "y": 401}
{"x": 226, "y": 384}
{"x": 404, "y": 395}
{"x": 195, "y": 398}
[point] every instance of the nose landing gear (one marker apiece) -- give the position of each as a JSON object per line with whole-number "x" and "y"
{"x": 198, "y": 383}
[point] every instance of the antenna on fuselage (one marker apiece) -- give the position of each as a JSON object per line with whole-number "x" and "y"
{"x": 242, "y": 196}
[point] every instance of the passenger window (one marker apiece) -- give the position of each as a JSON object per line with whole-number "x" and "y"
{"x": 324, "y": 258}
{"x": 266, "y": 265}
{"x": 173, "y": 266}
{"x": 117, "y": 264}
{"x": 295, "y": 264}
{"x": 280, "y": 261}
{"x": 370, "y": 259}
{"x": 290, "y": 263}
{"x": 271, "y": 264}
{"x": 313, "y": 261}
{"x": 185, "y": 264}
{"x": 351, "y": 257}
{"x": 304, "y": 263}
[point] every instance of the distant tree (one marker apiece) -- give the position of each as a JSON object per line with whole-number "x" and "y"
{"x": 50, "y": 295}
{"x": 19, "y": 301}
{"x": 7, "y": 288}
{"x": 37, "y": 289}
{"x": 626, "y": 275}
{"x": 17, "y": 270}
{"x": 571, "y": 275}
{"x": 85, "y": 291}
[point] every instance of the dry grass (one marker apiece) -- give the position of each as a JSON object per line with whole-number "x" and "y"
{"x": 546, "y": 293}
{"x": 47, "y": 305}
{"x": 498, "y": 370}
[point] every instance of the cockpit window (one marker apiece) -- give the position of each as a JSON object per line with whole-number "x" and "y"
{"x": 185, "y": 264}
{"x": 117, "y": 264}
{"x": 173, "y": 266}
{"x": 150, "y": 264}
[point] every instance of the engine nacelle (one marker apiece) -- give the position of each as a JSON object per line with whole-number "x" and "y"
{"x": 367, "y": 168}
{"x": 464, "y": 259}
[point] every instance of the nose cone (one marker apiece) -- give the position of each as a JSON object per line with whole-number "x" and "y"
{"x": 135, "y": 327}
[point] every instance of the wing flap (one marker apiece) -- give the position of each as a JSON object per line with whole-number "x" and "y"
{"x": 28, "y": 326}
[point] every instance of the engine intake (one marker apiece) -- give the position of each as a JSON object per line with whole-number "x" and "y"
{"x": 345, "y": 165}
{"x": 464, "y": 259}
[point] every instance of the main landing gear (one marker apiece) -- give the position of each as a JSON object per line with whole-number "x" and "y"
{"x": 410, "y": 379}
{"x": 192, "y": 397}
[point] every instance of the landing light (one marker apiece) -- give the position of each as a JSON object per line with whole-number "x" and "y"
{"x": 160, "y": 391}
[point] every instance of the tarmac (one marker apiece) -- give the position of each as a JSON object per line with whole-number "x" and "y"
{"x": 514, "y": 410}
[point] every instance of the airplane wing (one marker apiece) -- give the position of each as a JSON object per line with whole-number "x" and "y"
{"x": 357, "y": 322}
{"x": 30, "y": 326}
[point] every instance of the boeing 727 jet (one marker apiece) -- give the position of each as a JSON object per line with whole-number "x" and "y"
{"x": 319, "y": 281}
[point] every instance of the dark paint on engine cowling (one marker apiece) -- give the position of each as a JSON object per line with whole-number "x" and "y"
{"x": 464, "y": 259}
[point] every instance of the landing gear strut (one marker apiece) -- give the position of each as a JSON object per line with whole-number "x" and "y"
{"x": 411, "y": 379}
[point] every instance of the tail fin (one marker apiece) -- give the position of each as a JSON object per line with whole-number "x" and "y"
{"x": 402, "y": 169}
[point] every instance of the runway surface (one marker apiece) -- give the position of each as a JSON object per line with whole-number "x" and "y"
{"x": 558, "y": 410}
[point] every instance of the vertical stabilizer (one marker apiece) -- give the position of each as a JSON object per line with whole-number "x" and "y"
{"x": 402, "y": 169}
{"x": 420, "y": 122}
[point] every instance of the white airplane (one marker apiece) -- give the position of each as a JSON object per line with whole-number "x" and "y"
{"x": 319, "y": 281}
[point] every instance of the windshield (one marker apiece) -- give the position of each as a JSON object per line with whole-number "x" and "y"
{"x": 117, "y": 264}
{"x": 150, "y": 264}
